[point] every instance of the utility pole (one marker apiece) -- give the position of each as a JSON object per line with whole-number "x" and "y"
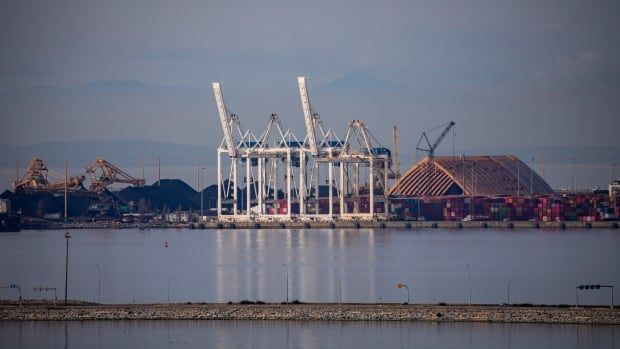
{"x": 532, "y": 178}
{"x": 67, "y": 237}
{"x": 197, "y": 174}
{"x": 573, "y": 181}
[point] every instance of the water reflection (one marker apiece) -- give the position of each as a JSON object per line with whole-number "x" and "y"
{"x": 301, "y": 334}
{"x": 324, "y": 265}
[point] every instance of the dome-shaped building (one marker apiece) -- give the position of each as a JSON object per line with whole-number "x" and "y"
{"x": 471, "y": 175}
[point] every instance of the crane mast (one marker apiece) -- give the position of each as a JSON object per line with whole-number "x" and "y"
{"x": 305, "y": 104}
{"x": 223, "y": 113}
{"x": 396, "y": 147}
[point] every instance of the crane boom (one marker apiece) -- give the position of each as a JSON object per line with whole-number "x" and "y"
{"x": 442, "y": 135}
{"x": 223, "y": 113}
{"x": 305, "y": 104}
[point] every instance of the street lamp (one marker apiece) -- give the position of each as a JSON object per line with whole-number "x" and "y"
{"x": 286, "y": 268}
{"x": 401, "y": 285}
{"x": 98, "y": 283}
{"x": 509, "y": 281}
{"x": 67, "y": 237}
{"x": 469, "y": 278}
{"x": 201, "y": 194}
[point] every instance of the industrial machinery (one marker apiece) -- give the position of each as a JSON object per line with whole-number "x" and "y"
{"x": 359, "y": 157}
{"x": 430, "y": 148}
{"x": 38, "y": 177}
{"x": 102, "y": 173}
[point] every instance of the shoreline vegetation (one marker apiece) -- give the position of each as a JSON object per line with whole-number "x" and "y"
{"x": 257, "y": 310}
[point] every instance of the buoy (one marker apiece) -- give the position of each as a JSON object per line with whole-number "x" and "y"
{"x": 166, "y": 244}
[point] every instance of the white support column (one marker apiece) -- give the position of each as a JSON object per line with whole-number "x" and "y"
{"x": 356, "y": 187}
{"x": 341, "y": 189}
{"x": 385, "y": 188}
{"x": 219, "y": 184}
{"x": 234, "y": 187}
{"x": 276, "y": 204}
{"x": 371, "y": 174}
{"x": 330, "y": 166}
{"x": 248, "y": 187}
{"x": 261, "y": 186}
{"x": 302, "y": 182}
{"x": 288, "y": 183}
{"x": 316, "y": 187}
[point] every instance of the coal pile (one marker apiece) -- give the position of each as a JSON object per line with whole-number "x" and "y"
{"x": 43, "y": 204}
{"x": 168, "y": 196}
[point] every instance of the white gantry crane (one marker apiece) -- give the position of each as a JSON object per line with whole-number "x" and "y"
{"x": 358, "y": 156}
{"x": 260, "y": 156}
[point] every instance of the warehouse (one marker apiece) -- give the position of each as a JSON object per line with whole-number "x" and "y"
{"x": 471, "y": 175}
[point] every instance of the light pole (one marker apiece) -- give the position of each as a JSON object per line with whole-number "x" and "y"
{"x": 532, "y": 178}
{"x": 98, "y": 283}
{"x": 286, "y": 269}
{"x": 509, "y": 281}
{"x": 573, "y": 181}
{"x": 67, "y": 237}
{"x": 469, "y": 282}
{"x": 401, "y": 285}
{"x": 201, "y": 194}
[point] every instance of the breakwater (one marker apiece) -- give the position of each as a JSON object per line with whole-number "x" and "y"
{"x": 325, "y": 312}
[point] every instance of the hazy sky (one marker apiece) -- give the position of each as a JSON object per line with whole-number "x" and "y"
{"x": 510, "y": 73}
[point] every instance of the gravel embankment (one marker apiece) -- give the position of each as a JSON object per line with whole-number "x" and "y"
{"x": 332, "y": 312}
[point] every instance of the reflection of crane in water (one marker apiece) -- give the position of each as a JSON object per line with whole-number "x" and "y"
{"x": 38, "y": 177}
{"x": 102, "y": 173}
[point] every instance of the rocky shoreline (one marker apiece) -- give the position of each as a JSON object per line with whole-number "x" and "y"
{"x": 317, "y": 312}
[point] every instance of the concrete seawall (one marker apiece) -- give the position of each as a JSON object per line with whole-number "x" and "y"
{"x": 336, "y": 225}
{"x": 330, "y": 312}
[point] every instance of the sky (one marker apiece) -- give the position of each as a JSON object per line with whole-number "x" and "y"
{"x": 510, "y": 73}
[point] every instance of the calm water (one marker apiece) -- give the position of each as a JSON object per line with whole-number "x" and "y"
{"x": 323, "y": 265}
{"x": 300, "y": 334}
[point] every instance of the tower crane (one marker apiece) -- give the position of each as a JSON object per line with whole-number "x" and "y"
{"x": 430, "y": 148}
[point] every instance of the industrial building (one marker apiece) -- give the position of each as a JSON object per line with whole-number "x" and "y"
{"x": 470, "y": 175}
